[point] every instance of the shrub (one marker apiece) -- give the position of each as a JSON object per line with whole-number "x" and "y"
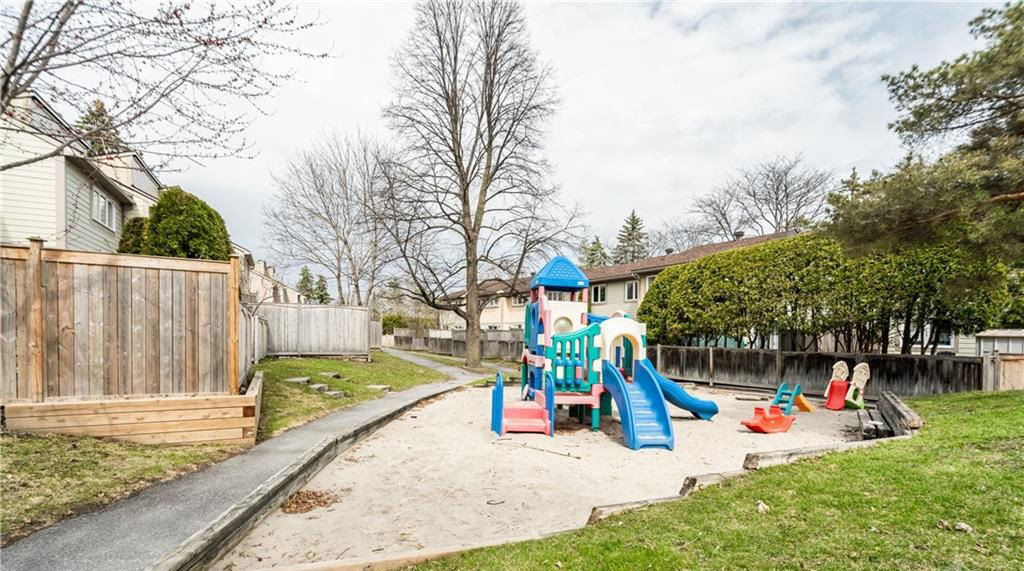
{"x": 391, "y": 321}
{"x": 183, "y": 226}
{"x": 133, "y": 236}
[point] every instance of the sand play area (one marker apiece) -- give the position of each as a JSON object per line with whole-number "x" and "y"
{"x": 438, "y": 478}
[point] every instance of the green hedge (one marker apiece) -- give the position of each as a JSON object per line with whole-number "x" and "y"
{"x": 183, "y": 226}
{"x": 133, "y": 236}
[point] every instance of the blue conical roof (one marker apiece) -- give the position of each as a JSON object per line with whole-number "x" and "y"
{"x": 560, "y": 273}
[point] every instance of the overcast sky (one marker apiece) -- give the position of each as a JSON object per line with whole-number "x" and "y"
{"x": 660, "y": 102}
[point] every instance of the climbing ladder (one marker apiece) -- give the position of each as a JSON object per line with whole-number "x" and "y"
{"x": 785, "y": 397}
{"x": 572, "y": 358}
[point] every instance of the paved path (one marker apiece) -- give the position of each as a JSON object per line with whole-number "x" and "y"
{"x": 138, "y": 531}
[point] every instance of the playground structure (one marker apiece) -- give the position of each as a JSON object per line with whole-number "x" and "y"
{"x": 585, "y": 361}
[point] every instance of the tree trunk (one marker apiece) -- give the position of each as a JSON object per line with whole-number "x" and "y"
{"x": 472, "y": 307}
{"x": 907, "y": 340}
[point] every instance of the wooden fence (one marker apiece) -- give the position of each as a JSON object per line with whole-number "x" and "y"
{"x": 506, "y": 345}
{"x": 904, "y": 375}
{"x": 299, "y": 329}
{"x": 77, "y": 325}
{"x": 252, "y": 339}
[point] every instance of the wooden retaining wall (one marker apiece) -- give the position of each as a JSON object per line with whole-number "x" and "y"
{"x": 904, "y": 375}
{"x": 88, "y": 325}
{"x": 222, "y": 419}
{"x": 301, "y": 329}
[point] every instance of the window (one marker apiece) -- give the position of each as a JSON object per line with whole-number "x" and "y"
{"x": 104, "y": 210}
{"x": 556, "y": 296}
{"x": 598, "y": 294}
{"x": 520, "y": 300}
{"x": 493, "y": 302}
{"x": 650, "y": 280}
{"x": 632, "y": 290}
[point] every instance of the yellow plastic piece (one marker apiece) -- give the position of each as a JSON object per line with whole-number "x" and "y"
{"x": 803, "y": 404}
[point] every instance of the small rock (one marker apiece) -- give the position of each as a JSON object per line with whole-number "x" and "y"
{"x": 943, "y": 524}
{"x": 331, "y": 375}
{"x": 379, "y": 387}
{"x": 300, "y": 380}
{"x": 763, "y": 507}
{"x": 335, "y": 394}
{"x": 961, "y": 526}
{"x": 319, "y": 387}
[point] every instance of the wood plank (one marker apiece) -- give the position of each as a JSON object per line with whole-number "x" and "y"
{"x": 18, "y": 410}
{"x": 219, "y": 334}
{"x": 8, "y": 332}
{"x": 152, "y": 331}
{"x": 14, "y": 252}
{"x": 149, "y": 427}
{"x": 51, "y": 329}
{"x": 22, "y": 302}
{"x": 166, "y": 309}
{"x": 66, "y": 329}
{"x": 124, "y": 330}
{"x": 232, "y": 339}
{"x": 178, "y": 333}
{"x": 72, "y": 420}
{"x": 82, "y": 362}
{"x": 138, "y": 331}
{"x": 191, "y": 332}
{"x": 97, "y": 308}
{"x": 204, "y": 324}
{"x": 36, "y": 341}
{"x": 225, "y": 434}
{"x": 111, "y": 338}
{"x": 133, "y": 261}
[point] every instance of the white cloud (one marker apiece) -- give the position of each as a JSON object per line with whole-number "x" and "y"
{"x": 659, "y": 104}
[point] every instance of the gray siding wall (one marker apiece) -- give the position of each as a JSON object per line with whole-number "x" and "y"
{"x": 83, "y": 231}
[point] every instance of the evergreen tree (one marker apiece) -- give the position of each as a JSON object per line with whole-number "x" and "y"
{"x": 595, "y": 255}
{"x": 320, "y": 291}
{"x": 104, "y": 138}
{"x": 306, "y": 286}
{"x": 632, "y": 240}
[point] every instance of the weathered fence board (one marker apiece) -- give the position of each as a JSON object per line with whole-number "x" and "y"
{"x": 103, "y": 325}
{"x": 904, "y": 375}
{"x": 506, "y": 345}
{"x": 299, "y": 329}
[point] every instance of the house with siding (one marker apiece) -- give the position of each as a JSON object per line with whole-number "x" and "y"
{"x": 259, "y": 281}
{"x": 70, "y": 200}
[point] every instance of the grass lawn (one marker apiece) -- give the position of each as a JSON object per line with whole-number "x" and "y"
{"x": 893, "y": 506}
{"x": 46, "y": 478}
{"x": 286, "y": 405}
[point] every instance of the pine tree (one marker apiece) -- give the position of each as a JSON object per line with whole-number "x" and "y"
{"x": 320, "y": 291}
{"x": 595, "y": 255}
{"x": 105, "y": 139}
{"x": 632, "y": 240}
{"x": 306, "y": 287}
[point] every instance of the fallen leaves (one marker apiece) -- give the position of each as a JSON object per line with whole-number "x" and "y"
{"x": 308, "y": 500}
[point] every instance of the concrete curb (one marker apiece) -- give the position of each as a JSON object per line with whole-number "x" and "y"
{"x": 225, "y": 532}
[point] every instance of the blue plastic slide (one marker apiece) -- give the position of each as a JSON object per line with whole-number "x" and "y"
{"x": 645, "y": 419}
{"x": 703, "y": 409}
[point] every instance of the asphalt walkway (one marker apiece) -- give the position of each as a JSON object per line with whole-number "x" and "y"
{"x": 138, "y": 531}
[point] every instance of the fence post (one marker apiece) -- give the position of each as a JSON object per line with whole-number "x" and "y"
{"x": 36, "y": 341}
{"x": 711, "y": 365}
{"x": 657, "y": 356}
{"x": 233, "y": 326}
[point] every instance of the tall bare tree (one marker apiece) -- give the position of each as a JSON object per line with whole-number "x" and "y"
{"x": 720, "y": 214}
{"x": 321, "y": 215}
{"x": 168, "y": 72}
{"x": 468, "y": 200}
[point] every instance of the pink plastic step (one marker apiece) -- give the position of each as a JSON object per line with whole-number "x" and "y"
{"x": 525, "y": 425}
{"x": 525, "y": 409}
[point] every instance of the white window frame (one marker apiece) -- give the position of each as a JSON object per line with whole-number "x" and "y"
{"x": 104, "y": 210}
{"x": 520, "y": 300}
{"x": 594, "y": 297}
{"x": 492, "y": 302}
{"x": 650, "y": 280}
{"x": 636, "y": 290}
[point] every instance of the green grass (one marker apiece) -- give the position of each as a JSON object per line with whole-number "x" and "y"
{"x": 286, "y": 405}
{"x": 878, "y": 508}
{"x": 46, "y": 478}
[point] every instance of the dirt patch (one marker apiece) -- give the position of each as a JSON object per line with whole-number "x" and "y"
{"x": 308, "y": 500}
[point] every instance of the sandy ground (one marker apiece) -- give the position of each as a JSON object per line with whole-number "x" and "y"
{"x": 437, "y": 478}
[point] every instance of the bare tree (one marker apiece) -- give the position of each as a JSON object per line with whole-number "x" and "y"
{"x": 781, "y": 194}
{"x": 167, "y": 72}
{"x": 720, "y": 214}
{"x": 468, "y": 199}
{"x": 321, "y": 215}
{"x": 676, "y": 235}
